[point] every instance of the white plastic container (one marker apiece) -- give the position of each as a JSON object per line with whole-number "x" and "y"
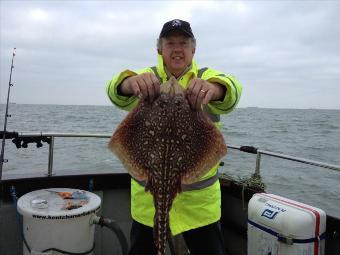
{"x": 280, "y": 226}
{"x": 52, "y": 223}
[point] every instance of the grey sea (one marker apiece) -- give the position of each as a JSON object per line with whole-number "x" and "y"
{"x": 311, "y": 134}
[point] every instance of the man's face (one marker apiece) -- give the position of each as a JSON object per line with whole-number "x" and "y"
{"x": 177, "y": 51}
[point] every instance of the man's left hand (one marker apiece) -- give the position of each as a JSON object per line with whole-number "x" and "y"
{"x": 202, "y": 92}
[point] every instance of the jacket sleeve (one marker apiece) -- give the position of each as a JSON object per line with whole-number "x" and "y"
{"x": 123, "y": 102}
{"x": 233, "y": 93}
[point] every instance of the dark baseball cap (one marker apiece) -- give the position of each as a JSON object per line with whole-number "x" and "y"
{"x": 176, "y": 24}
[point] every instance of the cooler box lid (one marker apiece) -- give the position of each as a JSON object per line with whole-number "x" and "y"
{"x": 49, "y": 203}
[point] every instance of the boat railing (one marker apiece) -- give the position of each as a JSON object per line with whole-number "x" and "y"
{"x": 248, "y": 149}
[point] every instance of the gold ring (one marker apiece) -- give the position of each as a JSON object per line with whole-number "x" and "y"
{"x": 203, "y": 91}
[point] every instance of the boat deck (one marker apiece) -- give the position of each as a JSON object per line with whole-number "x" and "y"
{"x": 114, "y": 190}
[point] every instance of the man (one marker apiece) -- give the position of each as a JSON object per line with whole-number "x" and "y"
{"x": 196, "y": 211}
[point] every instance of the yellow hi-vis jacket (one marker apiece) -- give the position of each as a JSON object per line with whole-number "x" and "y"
{"x": 198, "y": 205}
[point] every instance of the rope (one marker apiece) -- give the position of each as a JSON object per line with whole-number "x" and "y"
{"x": 253, "y": 182}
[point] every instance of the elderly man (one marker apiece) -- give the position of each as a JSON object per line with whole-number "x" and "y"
{"x": 196, "y": 211}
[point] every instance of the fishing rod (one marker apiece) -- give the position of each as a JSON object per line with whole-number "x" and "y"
{"x": 10, "y": 84}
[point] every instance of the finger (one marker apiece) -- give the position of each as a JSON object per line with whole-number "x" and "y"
{"x": 200, "y": 97}
{"x": 143, "y": 87}
{"x": 189, "y": 94}
{"x": 196, "y": 91}
{"x": 150, "y": 87}
{"x": 191, "y": 86}
{"x": 189, "y": 101}
{"x": 135, "y": 88}
{"x": 188, "y": 91}
{"x": 208, "y": 97}
{"x": 156, "y": 85}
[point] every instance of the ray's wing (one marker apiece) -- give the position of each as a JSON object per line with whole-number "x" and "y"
{"x": 202, "y": 146}
{"x": 127, "y": 141}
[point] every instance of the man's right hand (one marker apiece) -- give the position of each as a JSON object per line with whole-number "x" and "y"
{"x": 145, "y": 85}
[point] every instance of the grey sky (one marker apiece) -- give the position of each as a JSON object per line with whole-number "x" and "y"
{"x": 286, "y": 54}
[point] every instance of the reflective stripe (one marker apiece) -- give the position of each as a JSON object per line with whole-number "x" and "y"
{"x": 193, "y": 186}
{"x": 201, "y": 184}
{"x": 154, "y": 69}
{"x": 201, "y": 71}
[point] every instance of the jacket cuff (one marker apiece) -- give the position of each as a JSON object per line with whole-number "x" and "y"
{"x": 123, "y": 102}
{"x": 232, "y": 95}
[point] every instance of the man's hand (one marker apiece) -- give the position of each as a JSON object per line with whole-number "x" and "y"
{"x": 202, "y": 92}
{"x": 144, "y": 85}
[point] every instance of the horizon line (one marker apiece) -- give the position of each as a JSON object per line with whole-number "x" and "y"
{"x": 240, "y": 107}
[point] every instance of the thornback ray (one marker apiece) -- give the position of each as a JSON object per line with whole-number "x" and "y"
{"x": 167, "y": 144}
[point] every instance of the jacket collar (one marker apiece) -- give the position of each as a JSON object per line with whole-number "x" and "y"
{"x": 165, "y": 74}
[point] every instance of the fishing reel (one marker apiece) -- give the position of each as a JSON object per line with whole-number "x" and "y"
{"x": 22, "y": 142}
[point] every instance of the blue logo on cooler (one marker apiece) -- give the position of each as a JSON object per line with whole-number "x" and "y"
{"x": 270, "y": 214}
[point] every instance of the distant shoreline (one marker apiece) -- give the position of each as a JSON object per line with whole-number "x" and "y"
{"x": 244, "y": 107}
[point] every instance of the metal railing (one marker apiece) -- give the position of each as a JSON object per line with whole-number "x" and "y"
{"x": 285, "y": 156}
{"x": 52, "y": 136}
{"x": 247, "y": 149}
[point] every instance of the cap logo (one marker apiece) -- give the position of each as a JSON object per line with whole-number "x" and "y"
{"x": 176, "y": 23}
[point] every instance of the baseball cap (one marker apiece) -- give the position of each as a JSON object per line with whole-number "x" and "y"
{"x": 176, "y": 24}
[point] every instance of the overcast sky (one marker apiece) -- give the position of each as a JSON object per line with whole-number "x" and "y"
{"x": 286, "y": 54}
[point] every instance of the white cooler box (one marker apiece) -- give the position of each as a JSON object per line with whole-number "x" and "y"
{"x": 280, "y": 226}
{"x": 55, "y": 225}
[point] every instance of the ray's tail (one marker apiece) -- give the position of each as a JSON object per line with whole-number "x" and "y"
{"x": 161, "y": 231}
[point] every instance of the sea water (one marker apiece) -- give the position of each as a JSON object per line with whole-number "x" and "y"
{"x": 310, "y": 133}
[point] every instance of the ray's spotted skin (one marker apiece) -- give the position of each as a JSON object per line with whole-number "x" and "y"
{"x": 166, "y": 144}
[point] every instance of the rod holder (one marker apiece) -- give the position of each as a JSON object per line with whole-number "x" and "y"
{"x": 50, "y": 157}
{"x": 258, "y": 164}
